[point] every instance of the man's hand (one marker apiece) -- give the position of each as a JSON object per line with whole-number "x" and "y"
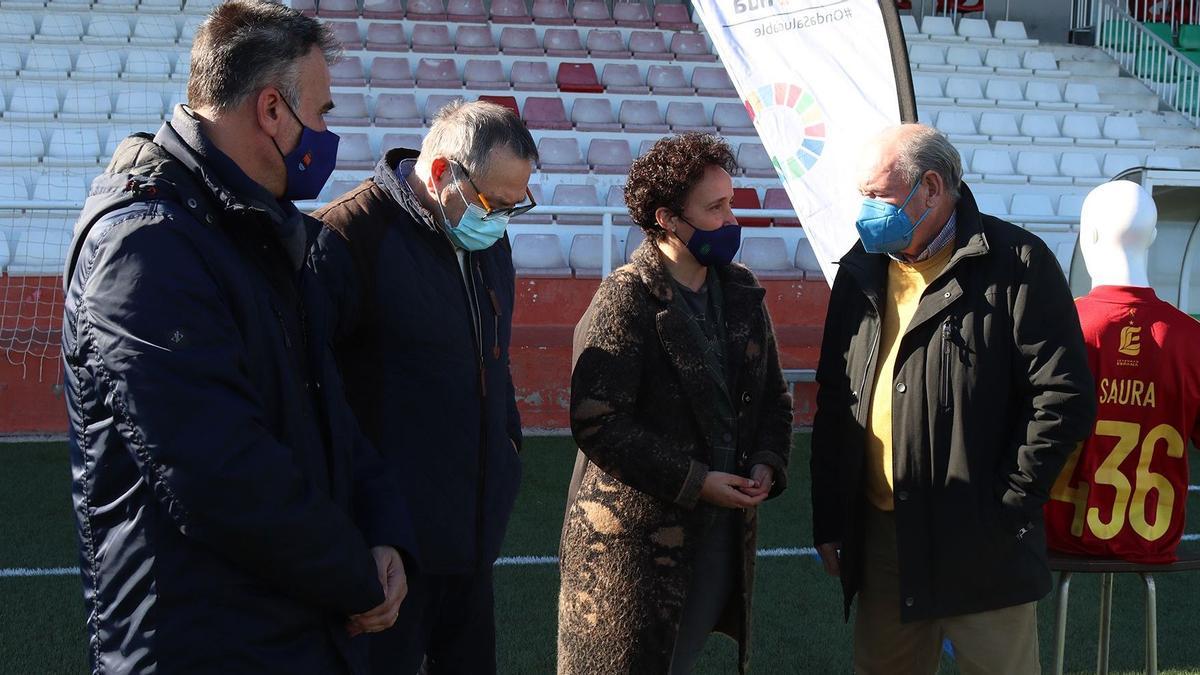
{"x": 831, "y": 557}
{"x": 729, "y": 491}
{"x": 395, "y": 586}
{"x": 764, "y": 479}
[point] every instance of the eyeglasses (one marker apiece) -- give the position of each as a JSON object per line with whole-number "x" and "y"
{"x": 511, "y": 212}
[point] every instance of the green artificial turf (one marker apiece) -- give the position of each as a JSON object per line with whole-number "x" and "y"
{"x": 797, "y": 615}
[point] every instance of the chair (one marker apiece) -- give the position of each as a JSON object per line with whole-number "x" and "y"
{"x": 940, "y": 28}
{"x": 426, "y": 10}
{"x": 648, "y": 46}
{"x": 116, "y": 6}
{"x": 142, "y": 66}
{"x": 1085, "y": 97}
{"x": 579, "y": 78}
{"x": 487, "y": 74}
{"x": 407, "y": 141}
{"x": 48, "y": 62}
{"x": 509, "y": 102}
{"x": 521, "y": 41}
{"x": 1161, "y": 161}
{"x": 183, "y": 67}
{"x": 1085, "y": 130}
{"x": 689, "y": 116}
{"x": 86, "y": 103}
{"x": 806, "y": 261}
{"x": 40, "y": 250}
{"x": 747, "y": 198}
{"x": 623, "y": 78}
{"x": 755, "y": 162}
{"x": 539, "y": 256}
{"x": 575, "y": 195}
{"x": 133, "y": 106}
{"x": 546, "y": 113}
{"x": 32, "y": 100}
{"x": 17, "y": 27}
{"x": 733, "y": 120}
{"x": 1041, "y": 168}
{"x": 908, "y": 25}
{"x": 1042, "y": 128}
{"x": 397, "y": 110}
{"x": 996, "y": 166}
{"x": 57, "y": 28}
{"x": 383, "y": 9}
{"x": 1125, "y": 131}
{"x": 97, "y": 64}
{"x": 531, "y": 76}
{"x": 73, "y": 146}
{"x": 349, "y": 110}
{"x": 642, "y": 117}
{"x": 1013, "y": 33}
{"x": 13, "y": 186}
{"x": 438, "y": 74}
{"x": 594, "y": 114}
{"x": 1042, "y": 63}
{"x": 616, "y": 197}
{"x": 668, "y": 81}
{"x": 391, "y": 71}
{"x": 587, "y": 255}
{"x": 1046, "y": 95}
{"x": 1007, "y": 94}
{"x": 592, "y": 13}
{"x": 464, "y": 11}
{"x": 347, "y": 72}
{"x": 769, "y": 258}
{"x": 1002, "y": 127}
{"x": 551, "y": 13}
{"x": 977, "y": 31}
{"x": 187, "y": 32}
{"x": 928, "y": 91}
{"x": 475, "y": 40}
{"x": 563, "y": 42}
{"x": 434, "y": 104}
{"x": 155, "y": 30}
{"x": 354, "y": 153}
{"x": 777, "y": 199}
{"x": 609, "y": 156}
{"x": 1082, "y": 167}
{"x": 967, "y": 92}
{"x": 606, "y": 44}
{"x": 508, "y": 11}
{"x": 431, "y": 38}
{"x": 992, "y": 204}
{"x": 710, "y": 81}
{"x": 1068, "y": 566}
{"x": 959, "y": 126}
{"x": 930, "y": 58}
{"x": 560, "y": 155}
{"x": 338, "y": 9}
{"x": 12, "y": 58}
{"x": 386, "y": 37}
{"x": 347, "y": 34}
{"x": 691, "y": 47}
{"x": 1005, "y": 62}
{"x": 672, "y": 16}
{"x": 1031, "y": 206}
{"x": 1116, "y": 163}
{"x": 632, "y": 15}
{"x": 1071, "y": 205}
{"x": 105, "y": 29}
{"x": 966, "y": 60}
{"x": 22, "y": 145}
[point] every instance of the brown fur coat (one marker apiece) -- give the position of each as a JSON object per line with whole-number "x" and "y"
{"x": 641, "y": 412}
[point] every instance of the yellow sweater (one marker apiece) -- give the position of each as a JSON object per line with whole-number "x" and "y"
{"x": 905, "y": 284}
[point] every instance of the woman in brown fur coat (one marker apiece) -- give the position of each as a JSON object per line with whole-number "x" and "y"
{"x": 684, "y": 423}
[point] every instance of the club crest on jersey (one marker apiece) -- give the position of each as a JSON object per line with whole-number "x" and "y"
{"x": 1131, "y": 341}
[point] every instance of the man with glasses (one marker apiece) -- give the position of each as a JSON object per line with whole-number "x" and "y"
{"x": 417, "y": 263}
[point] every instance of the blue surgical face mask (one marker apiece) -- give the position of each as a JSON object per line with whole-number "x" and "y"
{"x": 886, "y": 228}
{"x": 310, "y": 163}
{"x": 473, "y": 232}
{"x": 714, "y": 247}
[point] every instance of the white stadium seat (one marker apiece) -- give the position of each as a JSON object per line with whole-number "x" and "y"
{"x": 992, "y": 204}
{"x": 41, "y": 248}
{"x": 539, "y": 255}
{"x": 1001, "y": 127}
{"x": 97, "y": 63}
{"x": 1125, "y": 131}
{"x": 587, "y": 255}
{"x": 1041, "y": 168}
{"x": 769, "y": 258}
{"x": 1085, "y": 130}
{"x": 1116, "y": 162}
{"x": 1007, "y": 94}
{"x": 1042, "y": 128}
{"x": 996, "y": 166}
{"x": 1082, "y": 167}
{"x": 32, "y": 100}
{"x": 60, "y": 28}
{"x": 967, "y": 91}
{"x": 73, "y": 146}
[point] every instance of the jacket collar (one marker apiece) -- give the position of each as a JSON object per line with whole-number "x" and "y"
{"x": 234, "y": 192}
{"x": 391, "y": 173}
{"x": 870, "y": 269}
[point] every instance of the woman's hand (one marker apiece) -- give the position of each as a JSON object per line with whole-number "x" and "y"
{"x": 729, "y": 491}
{"x": 764, "y": 479}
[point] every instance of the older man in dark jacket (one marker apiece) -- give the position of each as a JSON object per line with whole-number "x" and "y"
{"x": 229, "y": 516}
{"x": 953, "y": 385}
{"x": 417, "y": 262}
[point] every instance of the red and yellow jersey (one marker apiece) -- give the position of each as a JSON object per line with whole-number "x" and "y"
{"x": 1122, "y": 494}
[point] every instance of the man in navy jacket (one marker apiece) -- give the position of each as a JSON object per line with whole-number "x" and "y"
{"x": 417, "y": 264}
{"x": 231, "y": 516}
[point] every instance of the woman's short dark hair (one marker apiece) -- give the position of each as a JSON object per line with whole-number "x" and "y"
{"x": 664, "y": 176}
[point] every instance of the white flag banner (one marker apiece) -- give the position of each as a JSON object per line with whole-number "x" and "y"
{"x": 817, "y": 79}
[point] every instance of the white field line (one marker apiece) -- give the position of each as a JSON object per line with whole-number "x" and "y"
{"x": 1194, "y": 488}
{"x": 514, "y": 561}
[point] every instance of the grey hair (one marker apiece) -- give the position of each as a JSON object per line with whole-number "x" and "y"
{"x": 246, "y": 45}
{"x": 469, "y": 133}
{"x": 928, "y": 149}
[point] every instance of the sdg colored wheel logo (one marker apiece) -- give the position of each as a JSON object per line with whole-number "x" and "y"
{"x": 798, "y": 118}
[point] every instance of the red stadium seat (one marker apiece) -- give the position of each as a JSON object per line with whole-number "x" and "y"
{"x": 560, "y": 155}
{"x": 609, "y": 156}
{"x": 668, "y": 81}
{"x": 475, "y": 40}
{"x": 623, "y": 78}
{"x": 592, "y": 13}
{"x": 673, "y": 17}
{"x": 438, "y": 74}
{"x": 578, "y": 78}
{"x": 506, "y": 101}
{"x": 338, "y": 9}
{"x": 347, "y": 72}
{"x": 383, "y": 9}
{"x": 691, "y": 47}
{"x": 607, "y": 44}
{"x": 426, "y": 10}
{"x": 390, "y": 71}
{"x": 509, "y": 11}
{"x": 777, "y": 198}
{"x": 347, "y": 34}
{"x": 632, "y": 15}
{"x": 747, "y": 198}
{"x": 563, "y": 42}
{"x": 594, "y": 114}
{"x": 648, "y": 45}
{"x": 431, "y": 38}
{"x": 485, "y": 74}
{"x": 551, "y": 13}
{"x": 522, "y": 41}
{"x": 531, "y": 76}
{"x": 349, "y": 110}
{"x": 466, "y": 11}
{"x": 397, "y": 110}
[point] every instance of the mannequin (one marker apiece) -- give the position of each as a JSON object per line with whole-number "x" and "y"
{"x": 1142, "y": 353}
{"x": 1116, "y": 230}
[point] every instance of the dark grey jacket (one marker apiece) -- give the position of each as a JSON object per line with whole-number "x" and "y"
{"x": 992, "y": 392}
